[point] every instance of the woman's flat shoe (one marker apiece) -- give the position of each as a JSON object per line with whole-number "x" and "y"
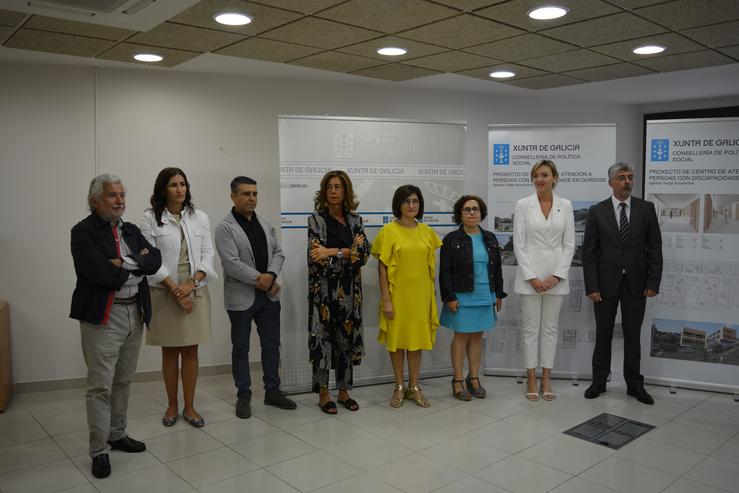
{"x": 170, "y": 421}
{"x": 532, "y": 396}
{"x": 328, "y": 407}
{"x": 197, "y": 423}
{"x": 462, "y": 394}
{"x": 398, "y": 396}
{"x": 478, "y": 392}
{"x": 413, "y": 393}
{"x": 350, "y": 404}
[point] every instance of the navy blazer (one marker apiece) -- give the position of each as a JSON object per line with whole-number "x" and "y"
{"x": 456, "y": 273}
{"x": 93, "y": 246}
{"x": 605, "y": 257}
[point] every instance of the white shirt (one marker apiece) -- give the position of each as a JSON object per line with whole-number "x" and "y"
{"x": 617, "y": 209}
{"x": 131, "y": 287}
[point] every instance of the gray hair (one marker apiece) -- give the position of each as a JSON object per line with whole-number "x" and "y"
{"x": 96, "y": 187}
{"x": 615, "y": 168}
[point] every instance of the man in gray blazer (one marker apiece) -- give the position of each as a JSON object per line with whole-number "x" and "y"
{"x": 252, "y": 259}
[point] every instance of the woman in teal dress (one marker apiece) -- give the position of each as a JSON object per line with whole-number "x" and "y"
{"x": 471, "y": 282}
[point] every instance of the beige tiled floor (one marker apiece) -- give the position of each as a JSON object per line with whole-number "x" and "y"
{"x": 495, "y": 445}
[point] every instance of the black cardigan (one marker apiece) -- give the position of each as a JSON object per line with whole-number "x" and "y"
{"x": 93, "y": 245}
{"x": 456, "y": 273}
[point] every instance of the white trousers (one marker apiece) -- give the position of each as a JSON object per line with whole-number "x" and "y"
{"x": 540, "y": 316}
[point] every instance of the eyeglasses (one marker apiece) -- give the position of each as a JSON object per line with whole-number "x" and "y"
{"x": 411, "y": 202}
{"x": 338, "y": 188}
{"x": 624, "y": 177}
{"x": 470, "y": 210}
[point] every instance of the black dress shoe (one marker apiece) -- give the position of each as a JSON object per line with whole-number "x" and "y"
{"x": 101, "y": 466}
{"x": 277, "y": 398}
{"x": 128, "y": 444}
{"x": 595, "y": 390}
{"x": 243, "y": 408}
{"x": 641, "y": 395}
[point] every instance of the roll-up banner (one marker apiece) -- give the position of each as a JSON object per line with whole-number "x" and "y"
{"x": 689, "y": 337}
{"x": 582, "y": 154}
{"x": 379, "y": 156}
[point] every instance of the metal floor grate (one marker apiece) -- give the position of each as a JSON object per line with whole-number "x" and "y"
{"x": 610, "y": 431}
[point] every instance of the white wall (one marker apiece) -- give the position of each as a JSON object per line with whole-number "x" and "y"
{"x": 59, "y": 125}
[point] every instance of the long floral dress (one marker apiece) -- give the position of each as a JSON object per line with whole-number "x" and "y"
{"x": 335, "y": 299}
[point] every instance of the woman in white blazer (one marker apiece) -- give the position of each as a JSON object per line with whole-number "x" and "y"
{"x": 179, "y": 295}
{"x": 544, "y": 243}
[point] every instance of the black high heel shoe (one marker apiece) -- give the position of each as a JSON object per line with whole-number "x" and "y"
{"x": 462, "y": 394}
{"x": 478, "y": 392}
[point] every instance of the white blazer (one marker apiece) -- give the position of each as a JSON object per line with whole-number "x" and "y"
{"x": 167, "y": 239}
{"x": 543, "y": 246}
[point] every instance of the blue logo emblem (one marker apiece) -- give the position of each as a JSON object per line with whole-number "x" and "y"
{"x": 660, "y": 149}
{"x": 501, "y": 154}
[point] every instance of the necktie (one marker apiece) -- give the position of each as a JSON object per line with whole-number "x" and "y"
{"x": 623, "y": 223}
{"x": 117, "y": 241}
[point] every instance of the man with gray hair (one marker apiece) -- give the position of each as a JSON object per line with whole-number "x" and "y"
{"x": 111, "y": 301}
{"x": 622, "y": 264}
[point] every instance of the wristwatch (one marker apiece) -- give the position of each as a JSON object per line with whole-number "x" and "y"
{"x": 340, "y": 254}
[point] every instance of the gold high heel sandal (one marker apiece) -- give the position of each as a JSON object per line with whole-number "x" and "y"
{"x": 398, "y": 396}
{"x": 413, "y": 393}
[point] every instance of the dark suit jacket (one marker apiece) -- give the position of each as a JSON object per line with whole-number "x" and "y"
{"x": 604, "y": 256}
{"x": 93, "y": 245}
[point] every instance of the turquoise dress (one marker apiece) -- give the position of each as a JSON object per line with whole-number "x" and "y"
{"x": 475, "y": 313}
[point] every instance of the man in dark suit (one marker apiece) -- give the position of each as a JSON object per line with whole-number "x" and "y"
{"x": 622, "y": 264}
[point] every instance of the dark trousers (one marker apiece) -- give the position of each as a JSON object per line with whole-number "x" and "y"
{"x": 266, "y": 314}
{"x": 632, "y": 315}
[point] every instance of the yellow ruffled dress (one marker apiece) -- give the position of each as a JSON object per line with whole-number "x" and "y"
{"x": 409, "y": 255}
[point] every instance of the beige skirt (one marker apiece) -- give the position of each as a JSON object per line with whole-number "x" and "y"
{"x": 170, "y": 326}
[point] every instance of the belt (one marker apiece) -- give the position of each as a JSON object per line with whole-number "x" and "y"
{"x": 126, "y": 301}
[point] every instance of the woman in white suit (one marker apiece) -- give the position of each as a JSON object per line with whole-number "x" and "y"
{"x": 544, "y": 243}
{"x": 179, "y": 295}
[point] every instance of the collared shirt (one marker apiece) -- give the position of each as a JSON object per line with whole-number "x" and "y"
{"x": 617, "y": 208}
{"x": 131, "y": 286}
{"x": 257, "y": 239}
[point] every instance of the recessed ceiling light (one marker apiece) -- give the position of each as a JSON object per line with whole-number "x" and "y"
{"x": 548, "y": 12}
{"x": 148, "y": 57}
{"x": 232, "y": 18}
{"x": 649, "y": 49}
{"x": 392, "y": 51}
{"x": 502, "y": 74}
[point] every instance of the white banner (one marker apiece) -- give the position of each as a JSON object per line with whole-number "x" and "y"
{"x": 582, "y": 154}
{"x": 689, "y": 337}
{"x": 378, "y": 155}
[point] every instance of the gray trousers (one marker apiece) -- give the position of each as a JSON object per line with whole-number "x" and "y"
{"x": 111, "y": 352}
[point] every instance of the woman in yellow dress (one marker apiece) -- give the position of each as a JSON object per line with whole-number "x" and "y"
{"x": 405, "y": 249}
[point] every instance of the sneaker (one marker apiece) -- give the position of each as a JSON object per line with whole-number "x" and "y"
{"x": 101, "y": 466}
{"x": 277, "y": 398}
{"x": 243, "y": 408}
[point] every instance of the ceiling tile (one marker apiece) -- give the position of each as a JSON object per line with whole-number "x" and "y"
{"x": 686, "y": 61}
{"x": 461, "y": 31}
{"x": 609, "y": 72}
{"x": 452, "y": 61}
{"x": 516, "y": 12}
{"x": 11, "y": 17}
{"x": 124, "y": 52}
{"x": 320, "y": 33}
{"x": 617, "y": 27}
{"x": 266, "y": 49}
{"x": 388, "y": 16}
{"x": 682, "y": 14}
{"x": 396, "y": 72}
{"x": 544, "y": 82}
{"x": 369, "y": 48}
{"x": 77, "y": 28}
{"x": 521, "y": 47}
{"x": 673, "y": 42}
{"x": 65, "y": 44}
{"x": 632, "y": 4}
{"x": 726, "y": 34}
{"x": 469, "y": 5}
{"x": 188, "y": 38}
{"x": 5, "y": 31}
{"x": 336, "y": 62}
{"x": 265, "y": 18}
{"x": 572, "y": 60}
{"x": 302, "y": 6}
{"x": 484, "y": 73}
{"x": 732, "y": 51}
